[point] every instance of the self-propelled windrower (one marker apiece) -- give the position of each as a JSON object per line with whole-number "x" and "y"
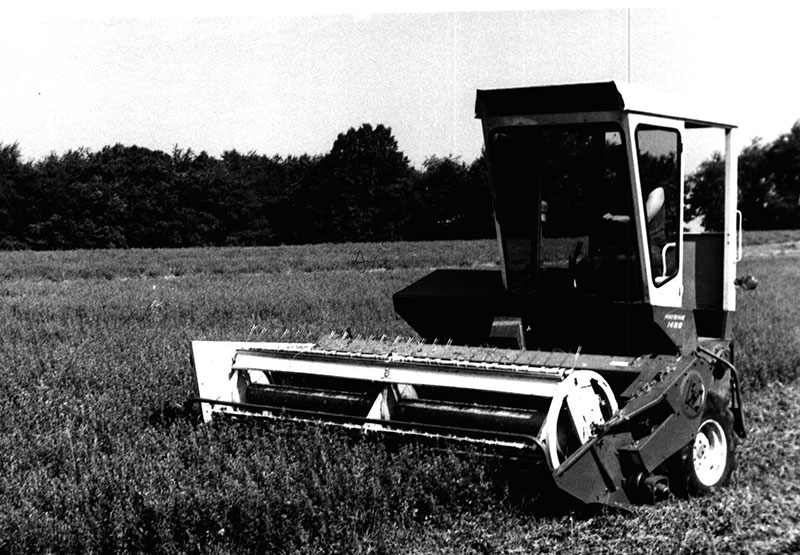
{"x": 600, "y": 352}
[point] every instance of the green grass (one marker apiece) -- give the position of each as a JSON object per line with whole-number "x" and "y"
{"x": 771, "y": 236}
{"x": 151, "y": 263}
{"x": 767, "y": 325}
{"x": 93, "y": 341}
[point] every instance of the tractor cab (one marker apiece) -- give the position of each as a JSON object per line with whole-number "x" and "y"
{"x": 566, "y": 207}
{"x": 588, "y": 187}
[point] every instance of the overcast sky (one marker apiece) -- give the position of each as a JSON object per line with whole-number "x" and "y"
{"x": 289, "y": 82}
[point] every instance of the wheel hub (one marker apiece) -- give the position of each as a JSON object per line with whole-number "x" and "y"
{"x": 710, "y": 453}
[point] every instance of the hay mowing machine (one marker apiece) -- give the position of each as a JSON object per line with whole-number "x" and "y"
{"x": 601, "y": 352}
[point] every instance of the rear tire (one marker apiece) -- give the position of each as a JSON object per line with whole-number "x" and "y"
{"x": 707, "y": 462}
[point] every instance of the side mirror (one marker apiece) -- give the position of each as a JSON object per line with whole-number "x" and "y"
{"x": 747, "y": 282}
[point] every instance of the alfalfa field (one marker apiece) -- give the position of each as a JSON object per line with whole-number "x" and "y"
{"x": 93, "y": 342}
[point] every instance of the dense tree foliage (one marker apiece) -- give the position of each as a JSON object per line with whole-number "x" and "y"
{"x": 356, "y": 191}
{"x": 364, "y": 189}
{"x": 449, "y": 200}
{"x": 769, "y": 185}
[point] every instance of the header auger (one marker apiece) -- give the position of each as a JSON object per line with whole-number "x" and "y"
{"x": 600, "y": 353}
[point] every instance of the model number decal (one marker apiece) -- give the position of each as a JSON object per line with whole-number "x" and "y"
{"x": 675, "y": 321}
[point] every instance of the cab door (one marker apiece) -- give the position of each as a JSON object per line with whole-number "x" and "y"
{"x": 657, "y": 166}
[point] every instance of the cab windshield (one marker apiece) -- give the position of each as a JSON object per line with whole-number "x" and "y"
{"x": 564, "y": 208}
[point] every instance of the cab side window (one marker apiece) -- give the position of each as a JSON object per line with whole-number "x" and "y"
{"x": 658, "y": 152}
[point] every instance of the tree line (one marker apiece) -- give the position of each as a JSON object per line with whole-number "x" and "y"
{"x": 364, "y": 189}
{"x": 769, "y": 185}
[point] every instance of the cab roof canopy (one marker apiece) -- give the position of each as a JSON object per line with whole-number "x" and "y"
{"x": 589, "y": 97}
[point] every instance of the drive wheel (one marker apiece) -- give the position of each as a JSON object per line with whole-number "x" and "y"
{"x": 706, "y": 463}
